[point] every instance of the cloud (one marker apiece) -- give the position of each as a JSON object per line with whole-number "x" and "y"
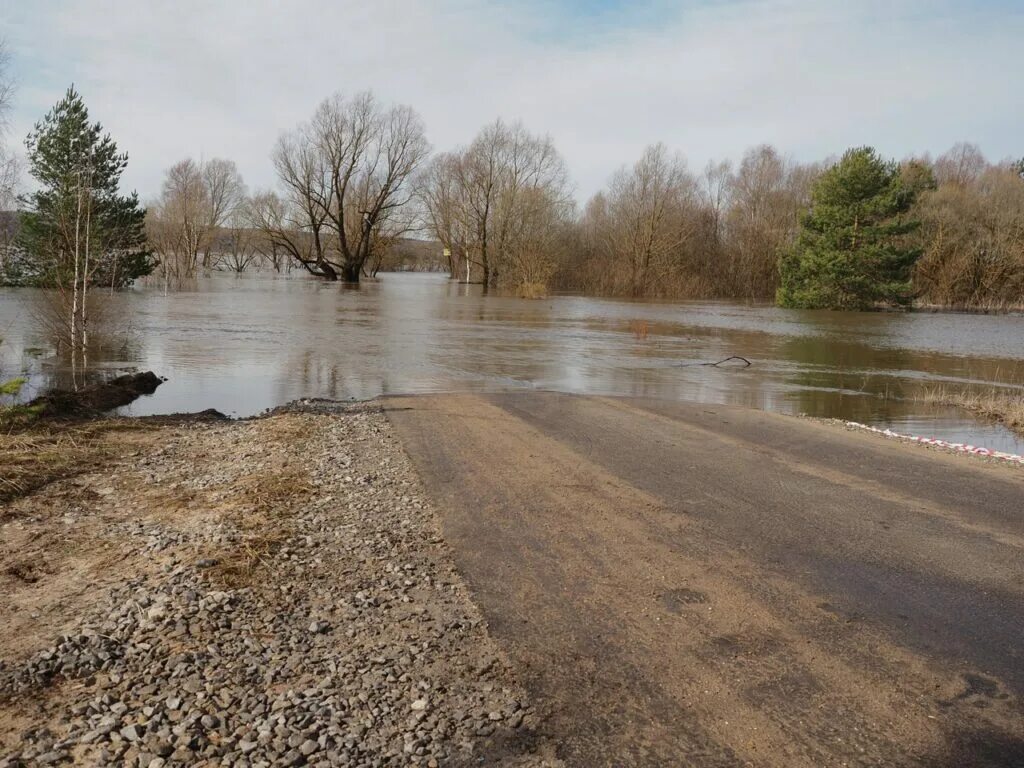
{"x": 173, "y": 79}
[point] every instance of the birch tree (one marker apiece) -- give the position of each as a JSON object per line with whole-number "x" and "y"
{"x": 77, "y": 230}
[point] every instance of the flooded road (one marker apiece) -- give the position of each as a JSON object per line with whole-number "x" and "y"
{"x": 244, "y": 344}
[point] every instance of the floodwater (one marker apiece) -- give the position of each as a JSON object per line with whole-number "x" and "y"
{"x": 242, "y": 344}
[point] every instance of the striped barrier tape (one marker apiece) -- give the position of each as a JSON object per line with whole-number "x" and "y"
{"x": 959, "y": 447}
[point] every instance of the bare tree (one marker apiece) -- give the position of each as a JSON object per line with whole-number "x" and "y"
{"x": 766, "y": 196}
{"x": 237, "y": 241}
{"x": 441, "y": 195}
{"x": 647, "y": 223}
{"x": 8, "y": 161}
{"x": 225, "y": 194}
{"x": 485, "y": 203}
{"x": 961, "y": 165}
{"x": 972, "y": 238}
{"x": 349, "y": 171}
{"x": 715, "y": 191}
{"x": 183, "y": 212}
{"x": 196, "y": 201}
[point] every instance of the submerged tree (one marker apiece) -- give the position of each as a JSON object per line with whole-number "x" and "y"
{"x": 502, "y": 205}
{"x": 853, "y": 251}
{"x": 347, "y": 181}
{"x": 76, "y": 229}
{"x": 196, "y": 201}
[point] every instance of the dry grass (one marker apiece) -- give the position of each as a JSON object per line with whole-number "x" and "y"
{"x": 639, "y": 329}
{"x": 532, "y": 291}
{"x": 998, "y": 405}
{"x": 264, "y": 508}
{"x": 36, "y": 455}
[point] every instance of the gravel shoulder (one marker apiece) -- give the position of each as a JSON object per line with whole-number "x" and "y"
{"x": 267, "y": 592}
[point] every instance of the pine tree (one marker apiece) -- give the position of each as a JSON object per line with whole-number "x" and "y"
{"x": 77, "y": 227}
{"x": 853, "y": 251}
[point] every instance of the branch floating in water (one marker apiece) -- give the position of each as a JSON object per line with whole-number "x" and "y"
{"x": 746, "y": 363}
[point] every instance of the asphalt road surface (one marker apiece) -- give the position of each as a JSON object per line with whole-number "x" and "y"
{"x": 683, "y": 584}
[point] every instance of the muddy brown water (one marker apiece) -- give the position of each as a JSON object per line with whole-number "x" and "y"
{"x": 243, "y": 344}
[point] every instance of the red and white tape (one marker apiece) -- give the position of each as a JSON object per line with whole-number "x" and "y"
{"x": 959, "y": 447}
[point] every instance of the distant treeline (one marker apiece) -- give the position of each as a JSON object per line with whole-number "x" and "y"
{"x": 360, "y": 191}
{"x": 947, "y": 232}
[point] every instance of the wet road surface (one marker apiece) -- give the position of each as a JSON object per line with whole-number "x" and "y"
{"x": 686, "y": 584}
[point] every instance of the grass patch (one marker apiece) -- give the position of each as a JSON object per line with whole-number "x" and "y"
{"x": 532, "y": 291}
{"x": 34, "y": 455}
{"x": 266, "y": 505}
{"x": 998, "y": 405}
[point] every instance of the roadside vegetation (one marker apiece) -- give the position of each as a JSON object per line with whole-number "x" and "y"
{"x": 34, "y": 452}
{"x": 994, "y": 404}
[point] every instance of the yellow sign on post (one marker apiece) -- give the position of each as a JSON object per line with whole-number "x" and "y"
{"x": 447, "y": 251}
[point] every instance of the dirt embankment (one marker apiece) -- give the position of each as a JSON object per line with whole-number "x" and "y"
{"x": 271, "y": 592}
{"x": 97, "y": 398}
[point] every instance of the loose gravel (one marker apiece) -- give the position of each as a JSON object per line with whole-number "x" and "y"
{"x": 283, "y": 598}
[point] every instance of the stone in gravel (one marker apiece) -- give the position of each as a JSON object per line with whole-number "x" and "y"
{"x": 419, "y": 705}
{"x": 308, "y": 747}
{"x": 130, "y": 733}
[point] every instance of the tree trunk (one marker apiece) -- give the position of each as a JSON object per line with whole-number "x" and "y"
{"x": 350, "y": 273}
{"x": 328, "y": 271}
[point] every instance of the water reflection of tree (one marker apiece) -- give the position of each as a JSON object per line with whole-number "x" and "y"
{"x": 51, "y": 363}
{"x": 841, "y": 377}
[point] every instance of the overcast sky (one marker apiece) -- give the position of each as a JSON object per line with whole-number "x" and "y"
{"x": 603, "y": 77}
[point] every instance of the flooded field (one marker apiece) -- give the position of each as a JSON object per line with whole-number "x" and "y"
{"x": 244, "y": 344}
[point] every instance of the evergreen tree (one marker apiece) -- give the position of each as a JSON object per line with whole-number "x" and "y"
{"x": 77, "y": 227}
{"x": 853, "y": 251}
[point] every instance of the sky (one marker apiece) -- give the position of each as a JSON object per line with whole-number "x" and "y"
{"x": 602, "y": 78}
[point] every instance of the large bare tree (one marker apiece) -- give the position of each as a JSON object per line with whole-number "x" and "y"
{"x": 494, "y": 203}
{"x": 197, "y": 199}
{"x": 347, "y": 177}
